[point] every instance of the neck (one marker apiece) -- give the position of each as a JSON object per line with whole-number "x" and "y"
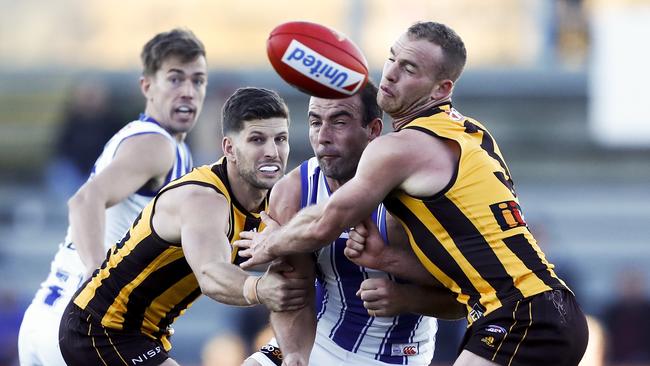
{"x": 399, "y": 120}
{"x": 334, "y": 184}
{"x": 249, "y": 197}
{"x": 178, "y": 136}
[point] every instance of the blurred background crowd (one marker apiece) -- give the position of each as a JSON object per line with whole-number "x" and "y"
{"x": 561, "y": 84}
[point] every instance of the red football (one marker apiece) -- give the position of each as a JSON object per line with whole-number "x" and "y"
{"x": 317, "y": 60}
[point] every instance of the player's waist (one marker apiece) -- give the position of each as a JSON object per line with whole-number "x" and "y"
{"x": 489, "y": 302}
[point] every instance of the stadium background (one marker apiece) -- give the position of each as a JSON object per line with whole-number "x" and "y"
{"x": 560, "y": 83}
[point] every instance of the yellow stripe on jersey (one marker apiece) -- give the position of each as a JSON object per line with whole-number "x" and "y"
{"x": 113, "y": 316}
{"x": 472, "y": 236}
{"x": 145, "y": 283}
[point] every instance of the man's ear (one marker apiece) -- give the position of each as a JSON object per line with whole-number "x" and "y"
{"x": 228, "y": 148}
{"x": 145, "y": 85}
{"x": 374, "y": 128}
{"x": 442, "y": 90}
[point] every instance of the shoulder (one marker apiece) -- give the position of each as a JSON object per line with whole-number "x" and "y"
{"x": 188, "y": 197}
{"x": 151, "y": 149}
{"x": 287, "y": 191}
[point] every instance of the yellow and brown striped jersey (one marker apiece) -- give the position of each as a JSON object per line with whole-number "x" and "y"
{"x": 472, "y": 235}
{"x": 145, "y": 283}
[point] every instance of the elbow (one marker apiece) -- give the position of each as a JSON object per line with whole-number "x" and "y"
{"x": 205, "y": 284}
{"x": 80, "y": 198}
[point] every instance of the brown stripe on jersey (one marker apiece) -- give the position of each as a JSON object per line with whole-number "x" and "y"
{"x": 525, "y": 251}
{"x": 175, "y": 311}
{"x": 250, "y": 224}
{"x": 129, "y": 268}
{"x": 473, "y": 246}
{"x": 433, "y": 249}
{"x": 150, "y": 288}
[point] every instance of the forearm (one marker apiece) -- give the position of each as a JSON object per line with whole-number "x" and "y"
{"x": 295, "y": 332}
{"x": 87, "y": 218}
{"x": 224, "y": 283}
{"x": 303, "y": 234}
{"x": 433, "y": 301}
{"x": 404, "y": 264}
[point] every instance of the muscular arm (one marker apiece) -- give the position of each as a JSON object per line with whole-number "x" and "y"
{"x": 316, "y": 226}
{"x": 137, "y": 161}
{"x": 198, "y": 217}
{"x": 294, "y": 330}
{"x": 428, "y": 296}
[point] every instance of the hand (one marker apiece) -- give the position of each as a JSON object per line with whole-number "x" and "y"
{"x": 383, "y": 297}
{"x": 283, "y": 293}
{"x": 366, "y": 247}
{"x": 255, "y": 244}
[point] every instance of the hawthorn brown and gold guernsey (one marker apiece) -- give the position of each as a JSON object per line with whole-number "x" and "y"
{"x": 472, "y": 235}
{"x": 145, "y": 283}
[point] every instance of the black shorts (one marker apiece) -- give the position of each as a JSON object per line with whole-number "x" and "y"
{"x": 545, "y": 329}
{"x": 84, "y": 341}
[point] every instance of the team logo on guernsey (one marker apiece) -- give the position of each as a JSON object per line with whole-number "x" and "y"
{"x": 454, "y": 115}
{"x": 476, "y": 313}
{"x": 508, "y": 215}
{"x": 405, "y": 349}
{"x": 321, "y": 69}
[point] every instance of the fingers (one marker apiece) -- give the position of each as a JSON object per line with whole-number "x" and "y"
{"x": 268, "y": 221}
{"x": 252, "y": 262}
{"x": 248, "y": 234}
{"x": 357, "y": 236}
{"x": 280, "y": 266}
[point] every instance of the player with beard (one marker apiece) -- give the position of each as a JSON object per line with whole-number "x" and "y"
{"x": 179, "y": 247}
{"x": 363, "y": 316}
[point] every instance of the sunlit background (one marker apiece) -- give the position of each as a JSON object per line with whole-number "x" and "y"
{"x": 562, "y": 85}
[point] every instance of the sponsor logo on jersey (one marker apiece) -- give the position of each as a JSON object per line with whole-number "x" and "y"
{"x": 489, "y": 341}
{"x": 321, "y": 69}
{"x": 495, "y": 329}
{"x": 146, "y": 355}
{"x": 405, "y": 349}
{"x": 508, "y": 215}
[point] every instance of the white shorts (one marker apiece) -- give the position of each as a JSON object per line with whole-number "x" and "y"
{"x": 38, "y": 339}
{"x": 324, "y": 353}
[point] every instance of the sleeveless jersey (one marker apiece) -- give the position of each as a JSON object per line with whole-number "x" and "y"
{"x": 145, "y": 283}
{"x": 66, "y": 269}
{"x": 472, "y": 235}
{"x": 404, "y": 339}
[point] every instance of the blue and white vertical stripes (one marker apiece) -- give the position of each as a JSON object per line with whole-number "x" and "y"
{"x": 340, "y": 313}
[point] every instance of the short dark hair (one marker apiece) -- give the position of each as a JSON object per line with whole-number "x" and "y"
{"x": 178, "y": 42}
{"x": 370, "y": 108}
{"x": 453, "y": 48}
{"x": 247, "y": 104}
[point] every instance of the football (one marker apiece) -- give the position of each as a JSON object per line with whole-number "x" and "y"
{"x": 317, "y": 60}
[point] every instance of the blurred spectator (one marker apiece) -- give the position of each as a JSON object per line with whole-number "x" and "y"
{"x": 223, "y": 350}
{"x": 627, "y": 320}
{"x": 89, "y": 119}
{"x": 572, "y": 37}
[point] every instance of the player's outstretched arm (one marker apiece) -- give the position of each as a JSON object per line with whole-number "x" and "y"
{"x": 316, "y": 226}
{"x": 138, "y": 160}
{"x": 383, "y": 297}
{"x": 367, "y": 248}
{"x": 197, "y": 217}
